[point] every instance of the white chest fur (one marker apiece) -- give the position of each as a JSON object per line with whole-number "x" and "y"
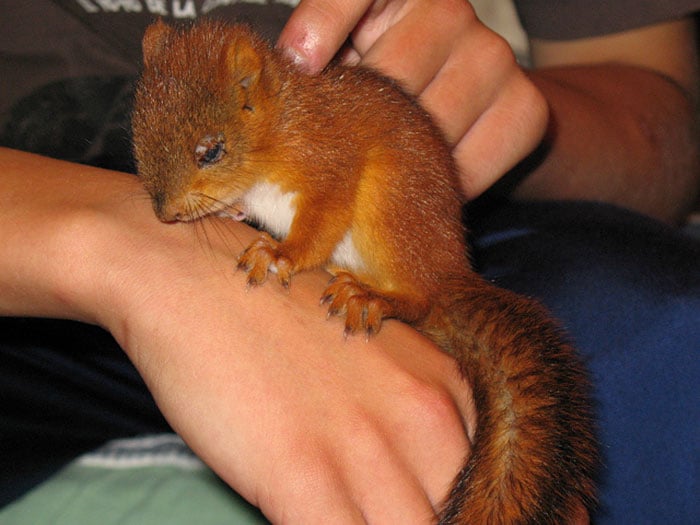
{"x": 274, "y": 210}
{"x": 346, "y": 255}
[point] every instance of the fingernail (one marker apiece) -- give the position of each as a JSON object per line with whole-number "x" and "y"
{"x": 293, "y": 55}
{"x": 301, "y": 47}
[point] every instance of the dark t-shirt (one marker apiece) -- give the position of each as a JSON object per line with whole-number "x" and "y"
{"x": 67, "y": 69}
{"x": 67, "y": 66}
{"x": 570, "y": 19}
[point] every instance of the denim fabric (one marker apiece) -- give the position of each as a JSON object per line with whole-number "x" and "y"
{"x": 627, "y": 290}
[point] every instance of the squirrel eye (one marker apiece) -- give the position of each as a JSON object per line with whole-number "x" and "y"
{"x": 210, "y": 150}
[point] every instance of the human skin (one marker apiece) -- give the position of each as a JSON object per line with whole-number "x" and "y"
{"x": 617, "y": 112}
{"x": 258, "y": 382}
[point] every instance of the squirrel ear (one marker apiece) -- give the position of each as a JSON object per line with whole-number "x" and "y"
{"x": 244, "y": 61}
{"x": 154, "y": 39}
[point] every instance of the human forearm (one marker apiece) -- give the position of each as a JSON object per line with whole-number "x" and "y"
{"x": 623, "y": 119}
{"x": 618, "y": 134}
{"x": 44, "y": 204}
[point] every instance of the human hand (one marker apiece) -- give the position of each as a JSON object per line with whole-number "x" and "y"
{"x": 306, "y": 425}
{"x": 464, "y": 74}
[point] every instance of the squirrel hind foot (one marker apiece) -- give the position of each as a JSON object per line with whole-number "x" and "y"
{"x": 363, "y": 307}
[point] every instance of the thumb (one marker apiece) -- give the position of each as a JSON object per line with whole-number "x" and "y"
{"x": 317, "y": 29}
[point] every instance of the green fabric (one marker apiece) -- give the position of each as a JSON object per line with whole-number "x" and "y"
{"x": 88, "y": 494}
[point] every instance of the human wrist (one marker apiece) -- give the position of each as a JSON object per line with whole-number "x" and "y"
{"x": 70, "y": 234}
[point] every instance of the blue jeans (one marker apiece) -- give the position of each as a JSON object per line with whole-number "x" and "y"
{"x": 625, "y": 288}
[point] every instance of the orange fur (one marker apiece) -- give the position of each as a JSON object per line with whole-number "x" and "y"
{"x": 361, "y": 166}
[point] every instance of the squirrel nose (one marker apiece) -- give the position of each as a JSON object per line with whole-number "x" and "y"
{"x": 163, "y": 211}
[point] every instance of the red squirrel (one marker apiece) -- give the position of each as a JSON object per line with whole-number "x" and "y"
{"x": 346, "y": 171}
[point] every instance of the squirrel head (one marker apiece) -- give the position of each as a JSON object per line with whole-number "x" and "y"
{"x": 206, "y": 99}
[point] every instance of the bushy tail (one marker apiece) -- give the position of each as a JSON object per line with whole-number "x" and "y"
{"x": 535, "y": 455}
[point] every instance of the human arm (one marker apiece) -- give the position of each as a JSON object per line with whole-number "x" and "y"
{"x": 258, "y": 383}
{"x": 494, "y": 113}
{"x": 623, "y": 120}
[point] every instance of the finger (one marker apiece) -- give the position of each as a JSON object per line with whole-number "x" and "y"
{"x": 380, "y": 481}
{"x": 317, "y": 29}
{"x": 350, "y": 57}
{"x": 434, "y": 416}
{"x": 467, "y": 85}
{"x": 315, "y": 494}
{"x": 424, "y": 438}
{"x": 412, "y": 43}
{"x": 501, "y": 137}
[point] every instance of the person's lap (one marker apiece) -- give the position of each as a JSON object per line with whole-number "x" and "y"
{"x": 626, "y": 289}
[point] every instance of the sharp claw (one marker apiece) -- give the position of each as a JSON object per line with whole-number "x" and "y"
{"x": 332, "y": 312}
{"x": 348, "y": 331}
{"x": 252, "y": 281}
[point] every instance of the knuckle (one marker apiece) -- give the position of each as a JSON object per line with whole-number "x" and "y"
{"x": 457, "y": 11}
{"x": 431, "y": 405}
{"x": 499, "y": 50}
{"x": 533, "y": 108}
{"x": 453, "y": 16}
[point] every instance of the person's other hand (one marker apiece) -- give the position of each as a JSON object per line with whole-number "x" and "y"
{"x": 464, "y": 74}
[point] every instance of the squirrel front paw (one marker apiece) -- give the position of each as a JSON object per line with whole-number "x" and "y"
{"x": 263, "y": 256}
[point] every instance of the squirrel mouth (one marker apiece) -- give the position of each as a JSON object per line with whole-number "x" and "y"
{"x": 235, "y": 210}
{"x": 204, "y": 205}
{"x": 232, "y": 212}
